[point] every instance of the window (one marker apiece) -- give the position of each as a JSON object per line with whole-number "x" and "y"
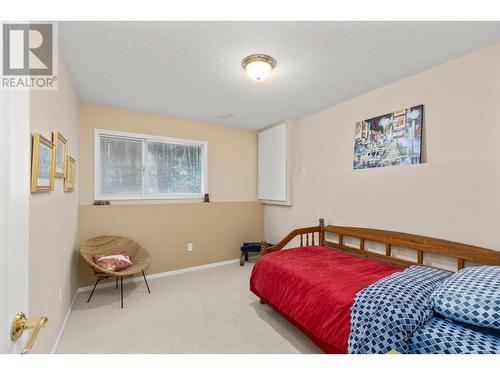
{"x": 138, "y": 166}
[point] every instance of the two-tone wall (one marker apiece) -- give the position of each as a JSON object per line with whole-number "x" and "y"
{"x": 165, "y": 227}
{"x": 453, "y": 195}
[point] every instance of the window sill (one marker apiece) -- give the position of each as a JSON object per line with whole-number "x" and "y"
{"x": 166, "y": 203}
{"x": 149, "y": 197}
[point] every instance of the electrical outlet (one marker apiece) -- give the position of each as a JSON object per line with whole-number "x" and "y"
{"x": 189, "y": 246}
{"x": 60, "y": 294}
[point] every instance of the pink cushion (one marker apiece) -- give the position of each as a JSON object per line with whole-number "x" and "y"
{"x": 113, "y": 262}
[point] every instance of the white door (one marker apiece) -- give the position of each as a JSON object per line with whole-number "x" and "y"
{"x": 15, "y": 145}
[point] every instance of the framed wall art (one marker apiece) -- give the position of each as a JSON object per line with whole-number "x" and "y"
{"x": 69, "y": 176}
{"x": 42, "y": 166}
{"x": 61, "y": 145}
{"x": 391, "y": 139}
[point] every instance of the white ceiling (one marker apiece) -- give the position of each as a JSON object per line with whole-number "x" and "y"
{"x": 192, "y": 69}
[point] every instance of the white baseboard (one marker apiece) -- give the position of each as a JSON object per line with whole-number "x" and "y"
{"x": 162, "y": 274}
{"x": 63, "y": 325}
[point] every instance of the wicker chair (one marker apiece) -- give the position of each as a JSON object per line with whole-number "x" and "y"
{"x": 107, "y": 245}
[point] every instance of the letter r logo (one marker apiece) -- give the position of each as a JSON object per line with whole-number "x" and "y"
{"x": 27, "y": 49}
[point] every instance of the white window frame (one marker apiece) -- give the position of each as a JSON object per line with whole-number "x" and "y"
{"x": 145, "y": 138}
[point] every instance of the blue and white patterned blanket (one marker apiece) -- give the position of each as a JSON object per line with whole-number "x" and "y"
{"x": 444, "y": 336}
{"x": 385, "y": 314}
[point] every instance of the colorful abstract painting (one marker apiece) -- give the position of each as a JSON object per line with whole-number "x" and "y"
{"x": 391, "y": 139}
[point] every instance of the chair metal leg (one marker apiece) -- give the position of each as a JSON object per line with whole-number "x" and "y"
{"x": 146, "y": 281}
{"x": 121, "y": 289}
{"x": 246, "y": 257}
{"x": 93, "y": 289}
{"x": 242, "y": 259}
{"x": 116, "y": 286}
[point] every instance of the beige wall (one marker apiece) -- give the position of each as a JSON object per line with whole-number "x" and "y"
{"x": 232, "y": 153}
{"x": 216, "y": 229}
{"x": 53, "y": 257}
{"x": 454, "y": 195}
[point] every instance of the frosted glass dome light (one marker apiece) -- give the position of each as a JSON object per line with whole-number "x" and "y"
{"x": 258, "y": 67}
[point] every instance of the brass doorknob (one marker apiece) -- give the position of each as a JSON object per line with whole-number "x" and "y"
{"x": 21, "y": 323}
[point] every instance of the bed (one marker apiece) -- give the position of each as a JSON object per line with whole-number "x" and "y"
{"x": 315, "y": 286}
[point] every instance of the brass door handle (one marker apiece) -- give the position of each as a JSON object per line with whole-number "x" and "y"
{"x": 21, "y": 323}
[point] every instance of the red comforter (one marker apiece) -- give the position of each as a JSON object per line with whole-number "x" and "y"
{"x": 314, "y": 288}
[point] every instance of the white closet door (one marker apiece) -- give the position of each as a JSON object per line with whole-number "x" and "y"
{"x": 273, "y": 166}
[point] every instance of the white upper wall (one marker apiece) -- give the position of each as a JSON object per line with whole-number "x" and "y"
{"x": 454, "y": 195}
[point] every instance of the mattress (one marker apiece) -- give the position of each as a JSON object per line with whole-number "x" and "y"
{"x": 314, "y": 288}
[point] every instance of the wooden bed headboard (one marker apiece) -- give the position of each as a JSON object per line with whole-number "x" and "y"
{"x": 420, "y": 244}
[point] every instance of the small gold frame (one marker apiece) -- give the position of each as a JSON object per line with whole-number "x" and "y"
{"x": 46, "y": 182}
{"x": 59, "y": 140}
{"x": 69, "y": 174}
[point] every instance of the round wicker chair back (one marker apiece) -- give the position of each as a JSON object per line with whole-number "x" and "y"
{"x": 107, "y": 245}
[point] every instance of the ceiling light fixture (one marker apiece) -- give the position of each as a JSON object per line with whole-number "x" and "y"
{"x": 258, "y": 67}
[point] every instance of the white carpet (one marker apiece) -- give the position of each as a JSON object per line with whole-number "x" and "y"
{"x": 207, "y": 311}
